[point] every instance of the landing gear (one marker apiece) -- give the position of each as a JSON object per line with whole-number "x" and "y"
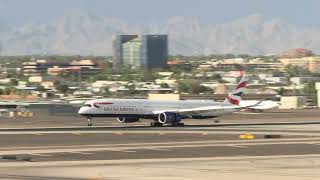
{"x": 177, "y": 124}
{"x": 256, "y": 110}
{"x": 89, "y": 122}
{"x": 156, "y": 124}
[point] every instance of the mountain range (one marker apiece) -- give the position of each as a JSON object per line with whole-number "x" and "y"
{"x": 88, "y": 34}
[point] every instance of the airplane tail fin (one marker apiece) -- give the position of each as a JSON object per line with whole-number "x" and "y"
{"x": 236, "y": 95}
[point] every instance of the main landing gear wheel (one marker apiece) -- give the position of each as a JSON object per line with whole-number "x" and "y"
{"x": 89, "y": 122}
{"x": 155, "y": 124}
{"x": 177, "y": 124}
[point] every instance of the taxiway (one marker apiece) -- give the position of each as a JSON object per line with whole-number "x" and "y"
{"x": 284, "y": 146}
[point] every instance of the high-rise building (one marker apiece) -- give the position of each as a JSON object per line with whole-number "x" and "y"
{"x": 140, "y": 51}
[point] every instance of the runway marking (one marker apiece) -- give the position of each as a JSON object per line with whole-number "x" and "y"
{"x": 84, "y": 153}
{"x": 143, "y": 144}
{"x": 217, "y": 130}
{"x": 153, "y": 160}
{"x": 76, "y": 133}
{"x": 239, "y": 146}
{"x": 37, "y": 134}
{"x": 118, "y": 133}
{"x": 204, "y": 134}
{"x": 162, "y": 133}
{"x": 37, "y": 154}
{"x": 158, "y": 149}
{"x": 314, "y": 143}
{"x": 120, "y": 150}
{"x": 133, "y": 148}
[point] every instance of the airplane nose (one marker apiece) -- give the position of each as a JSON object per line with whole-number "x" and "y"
{"x": 81, "y": 111}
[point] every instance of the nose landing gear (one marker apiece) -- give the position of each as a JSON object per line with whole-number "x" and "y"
{"x": 89, "y": 121}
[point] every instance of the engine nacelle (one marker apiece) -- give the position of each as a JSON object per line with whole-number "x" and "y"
{"x": 168, "y": 117}
{"x": 127, "y": 119}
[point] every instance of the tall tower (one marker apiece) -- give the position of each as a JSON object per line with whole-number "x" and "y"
{"x": 140, "y": 51}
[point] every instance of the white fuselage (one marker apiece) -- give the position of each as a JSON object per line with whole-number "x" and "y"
{"x": 143, "y": 108}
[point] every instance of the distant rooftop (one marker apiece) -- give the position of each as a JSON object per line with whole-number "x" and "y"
{"x": 296, "y": 53}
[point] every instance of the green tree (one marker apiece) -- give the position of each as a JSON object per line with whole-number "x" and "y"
{"x": 183, "y": 87}
{"x": 9, "y": 90}
{"x": 192, "y": 87}
{"x": 105, "y": 91}
{"x": 40, "y": 88}
{"x": 63, "y": 88}
{"x": 164, "y": 85}
{"x": 296, "y": 71}
{"x": 282, "y": 91}
{"x": 14, "y": 82}
{"x": 310, "y": 88}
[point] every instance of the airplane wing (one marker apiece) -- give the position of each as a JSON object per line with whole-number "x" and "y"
{"x": 254, "y": 105}
{"x": 204, "y": 109}
{"x": 198, "y": 109}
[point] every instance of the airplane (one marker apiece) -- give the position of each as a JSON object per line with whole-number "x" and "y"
{"x": 12, "y": 105}
{"x": 163, "y": 112}
{"x": 7, "y": 106}
{"x": 263, "y": 105}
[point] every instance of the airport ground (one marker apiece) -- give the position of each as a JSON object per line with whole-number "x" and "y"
{"x": 286, "y": 145}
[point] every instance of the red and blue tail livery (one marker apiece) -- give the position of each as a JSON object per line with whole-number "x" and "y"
{"x": 236, "y": 95}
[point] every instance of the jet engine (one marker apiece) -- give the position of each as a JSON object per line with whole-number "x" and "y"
{"x": 127, "y": 119}
{"x": 168, "y": 117}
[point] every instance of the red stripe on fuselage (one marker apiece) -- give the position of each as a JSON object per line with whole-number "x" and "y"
{"x": 103, "y": 103}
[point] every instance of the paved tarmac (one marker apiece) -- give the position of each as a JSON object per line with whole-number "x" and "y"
{"x": 46, "y": 120}
{"x": 284, "y": 147}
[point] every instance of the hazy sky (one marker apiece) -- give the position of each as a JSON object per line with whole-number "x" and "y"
{"x": 300, "y": 12}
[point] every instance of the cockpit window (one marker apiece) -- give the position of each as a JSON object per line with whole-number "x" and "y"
{"x": 87, "y": 105}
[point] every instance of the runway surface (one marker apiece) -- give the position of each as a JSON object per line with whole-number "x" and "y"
{"x": 283, "y": 147}
{"x": 46, "y": 120}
